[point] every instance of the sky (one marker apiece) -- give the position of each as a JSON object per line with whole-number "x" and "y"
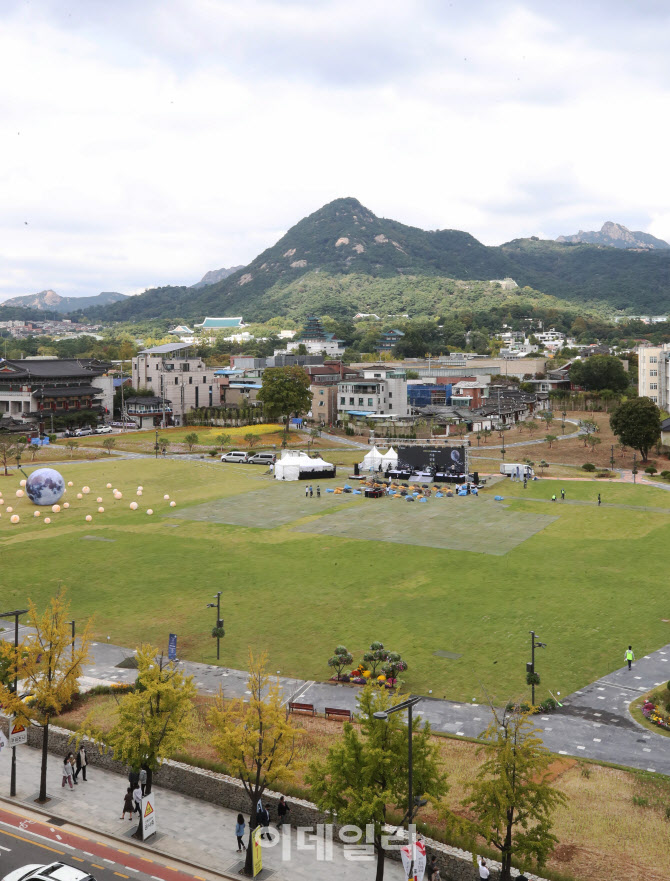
{"x": 145, "y": 143}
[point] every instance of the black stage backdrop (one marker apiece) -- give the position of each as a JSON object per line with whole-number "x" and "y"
{"x": 435, "y": 459}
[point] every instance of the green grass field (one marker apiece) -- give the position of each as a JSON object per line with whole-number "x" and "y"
{"x": 307, "y": 577}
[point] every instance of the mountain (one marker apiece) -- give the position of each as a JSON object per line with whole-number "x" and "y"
{"x": 614, "y": 235}
{"x": 342, "y": 259}
{"x": 213, "y": 276}
{"x": 50, "y": 301}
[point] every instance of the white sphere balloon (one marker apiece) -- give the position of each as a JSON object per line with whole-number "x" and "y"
{"x": 133, "y": 506}
{"x": 86, "y": 490}
{"x": 47, "y": 520}
{"x": 140, "y": 487}
{"x": 109, "y": 486}
{"x": 101, "y": 510}
{"x": 99, "y": 499}
{"x": 55, "y": 508}
{"x": 79, "y": 496}
{"x": 19, "y": 493}
{"x": 36, "y": 514}
{"x": 88, "y": 518}
{"x": 69, "y": 483}
{"x": 173, "y": 504}
{"x": 9, "y": 509}
{"x": 15, "y": 518}
{"x": 22, "y": 483}
{"x": 139, "y": 492}
{"x": 66, "y": 504}
{"x": 149, "y": 511}
{"x": 166, "y": 497}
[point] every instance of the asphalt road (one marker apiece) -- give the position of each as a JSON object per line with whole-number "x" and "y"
{"x": 26, "y": 840}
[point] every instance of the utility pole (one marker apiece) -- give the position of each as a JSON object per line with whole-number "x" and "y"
{"x": 530, "y": 668}
{"x": 219, "y": 622}
{"x": 15, "y": 615}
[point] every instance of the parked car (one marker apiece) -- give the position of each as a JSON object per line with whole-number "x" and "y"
{"x": 235, "y": 456}
{"x": 83, "y": 432}
{"x": 262, "y": 459}
{"x": 104, "y": 429}
{"x": 50, "y": 872}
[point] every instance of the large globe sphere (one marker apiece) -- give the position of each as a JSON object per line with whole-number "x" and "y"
{"x": 45, "y": 486}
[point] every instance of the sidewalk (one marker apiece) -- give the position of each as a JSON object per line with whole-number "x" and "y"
{"x": 188, "y": 829}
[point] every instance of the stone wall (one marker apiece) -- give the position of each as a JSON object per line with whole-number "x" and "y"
{"x": 219, "y": 789}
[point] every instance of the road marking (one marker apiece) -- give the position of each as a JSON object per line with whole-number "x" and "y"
{"x": 121, "y": 875}
{"x": 96, "y": 866}
{"x": 106, "y": 860}
{"x": 87, "y": 853}
{"x": 645, "y": 749}
{"x": 156, "y": 878}
{"x": 36, "y": 843}
{"x": 581, "y": 747}
{"x": 596, "y": 740}
{"x": 78, "y": 859}
{"x": 562, "y": 752}
{"x": 8, "y": 849}
{"x": 131, "y": 869}
{"x": 458, "y": 734}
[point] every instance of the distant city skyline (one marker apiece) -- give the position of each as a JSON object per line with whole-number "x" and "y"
{"x": 146, "y": 144}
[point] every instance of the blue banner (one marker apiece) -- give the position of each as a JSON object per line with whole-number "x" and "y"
{"x": 172, "y": 647}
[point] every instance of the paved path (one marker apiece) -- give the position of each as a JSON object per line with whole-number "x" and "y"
{"x": 594, "y": 722}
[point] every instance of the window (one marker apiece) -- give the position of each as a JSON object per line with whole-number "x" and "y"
{"x": 343, "y": 401}
{"x": 653, "y": 373}
{"x": 351, "y": 404}
{"x": 321, "y": 405}
{"x": 653, "y": 398}
{"x": 653, "y": 385}
{"x": 148, "y": 379}
{"x": 321, "y": 392}
{"x": 653, "y": 359}
{"x": 371, "y": 404}
{"x": 360, "y": 404}
{"x": 390, "y": 396}
{"x": 204, "y": 379}
{"x": 190, "y": 382}
{"x": 176, "y": 382}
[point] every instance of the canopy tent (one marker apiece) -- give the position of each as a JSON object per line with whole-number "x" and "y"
{"x": 371, "y": 460}
{"x": 297, "y": 465}
{"x": 390, "y": 459}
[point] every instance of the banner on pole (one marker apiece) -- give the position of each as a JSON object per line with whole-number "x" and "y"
{"x": 414, "y": 860}
{"x": 257, "y": 852}
{"x": 18, "y": 734}
{"x": 148, "y": 816}
{"x": 172, "y": 647}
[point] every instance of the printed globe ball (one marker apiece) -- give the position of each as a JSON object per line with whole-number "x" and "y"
{"x": 109, "y": 486}
{"x": 166, "y": 497}
{"x": 9, "y": 509}
{"x": 69, "y": 483}
{"x": 45, "y": 486}
{"x": 99, "y": 499}
{"x": 139, "y": 492}
{"x": 37, "y": 513}
{"x": 101, "y": 510}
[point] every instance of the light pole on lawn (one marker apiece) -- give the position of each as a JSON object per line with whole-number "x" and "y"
{"x": 219, "y": 622}
{"x": 72, "y": 623}
{"x": 530, "y": 668}
{"x": 412, "y": 803}
{"x": 634, "y": 467}
{"x": 612, "y": 458}
{"x": 15, "y": 615}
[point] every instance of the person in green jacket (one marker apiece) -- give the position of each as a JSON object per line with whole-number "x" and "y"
{"x": 629, "y": 656}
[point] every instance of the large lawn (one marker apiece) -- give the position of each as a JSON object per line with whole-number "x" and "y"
{"x": 589, "y": 581}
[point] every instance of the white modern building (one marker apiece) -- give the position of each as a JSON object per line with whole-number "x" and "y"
{"x": 381, "y": 391}
{"x": 653, "y": 377}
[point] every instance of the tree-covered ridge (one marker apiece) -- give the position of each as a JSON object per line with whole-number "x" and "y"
{"x": 344, "y": 239}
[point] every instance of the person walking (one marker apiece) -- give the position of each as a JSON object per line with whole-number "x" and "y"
{"x": 306, "y": 491}
{"x": 239, "y": 832}
{"x": 81, "y": 763}
{"x": 282, "y": 812}
{"x": 143, "y": 781}
{"x": 137, "y": 798}
{"x": 598, "y": 499}
{"x": 562, "y": 495}
{"x": 67, "y": 772}
{"x": 629, "y": 656}
{"x": 311, "y": 490}
{"x": 133, "y": 778}
{"x": 263, "y": 817}
{"x": 127, "y": 805}
{"x": 73, "y": 765}
{"x": 318, "y": 491}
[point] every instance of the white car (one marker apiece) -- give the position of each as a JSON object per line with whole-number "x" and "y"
{"x": 50, "y": 872}
{"x": 104, "y": 429}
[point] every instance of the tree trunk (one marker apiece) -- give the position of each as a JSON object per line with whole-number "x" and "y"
{"x": 381, "y": 856}
{"x": 249, "y": 856}
{"x": 42, "y": 797}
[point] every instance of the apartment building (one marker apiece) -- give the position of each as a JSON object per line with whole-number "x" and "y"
{"x": 654, "y": 373}
{"x": 380, "y": 391}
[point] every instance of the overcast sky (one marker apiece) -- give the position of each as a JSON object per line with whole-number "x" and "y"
{"x": 145, "y": 142}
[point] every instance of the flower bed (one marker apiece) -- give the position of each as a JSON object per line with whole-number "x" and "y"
{"x": 651, "y": 712}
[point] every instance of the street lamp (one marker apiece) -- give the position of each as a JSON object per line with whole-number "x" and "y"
{"x": 15, "y": 615}
{"x": 412, "y": 803}
{"x": 219, "y": 622}
{"x": 530, "y": 668}
{"x": 634, "y": 467}
{"x": 72, "y": 623}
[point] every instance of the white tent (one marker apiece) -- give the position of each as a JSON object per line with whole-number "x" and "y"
{"x": 297, "y": 465}
{"x": 389, "y": 459}
{"x": 371, "y": 460}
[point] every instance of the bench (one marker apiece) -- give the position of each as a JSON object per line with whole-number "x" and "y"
{"x": 334, "y": 711}
{"x": 294, "y": 707}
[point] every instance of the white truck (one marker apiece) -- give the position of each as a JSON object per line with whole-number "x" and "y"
{"x": 516, "y": 469}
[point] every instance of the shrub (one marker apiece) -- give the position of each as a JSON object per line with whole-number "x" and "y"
{"x": 585, "y": 771}
{"x": 213, "y": 452}
{"x": 603, "y": 474}
{"x": 640, "y": 801}
{"x": 588, "y": 467}
{"x": 218, "y": 632}
{"x": 650, "y": 470}
{"x": 532, "y": 678}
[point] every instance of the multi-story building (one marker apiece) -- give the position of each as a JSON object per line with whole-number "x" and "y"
{"x": 379, "y": 392}
{"x": 181, "y": 383}
{"x": 33, "y": 390}
{"x": 388, "y": 340}
{"x": 653, "y": 374}
{"x": 315, "y": 340}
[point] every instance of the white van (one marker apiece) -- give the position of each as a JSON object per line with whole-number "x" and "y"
{"x": 235, "y": 456}
{"x": 516, "y": 469}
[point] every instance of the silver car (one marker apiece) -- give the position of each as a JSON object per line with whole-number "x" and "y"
{"x": 50, "y": 872}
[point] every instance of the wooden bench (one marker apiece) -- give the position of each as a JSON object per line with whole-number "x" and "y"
{"x": 334, "y": 711}
{"x": 294, "y": 707}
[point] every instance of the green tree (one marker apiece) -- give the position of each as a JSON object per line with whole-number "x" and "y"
{"x": 251, "y": 439}
{"x": 154, "y": 721}
{"x": 109, "y": 443}
{"x": 550, "y": 438}
{"x": 600, "y": 372}
{"x": 72, "y": 445}
{"x": 374, "y": 658}
{"x": 547, "y": 416}
{"x": 366, "y": 772}
{"x": 637, "y": 424}
{"x": 49, "y": 668}
{"x": 543, "y": 465}
{"x": 9, "y": 447}
{"x": 341, "y": 659}
{"x": 34, "y": 450}
{"x": 223, "y": 440}
{"x": 511, "y": 798}
{"x": 255, "y": 739}
{"x": 591, "y": 442}
{"x": 285, "y": 392}
{"x": 532, "y": 426}
{"x": 191, "y": 439}
{"x": 164, "y": 443}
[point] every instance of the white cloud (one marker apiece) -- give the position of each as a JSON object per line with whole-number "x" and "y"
{"x": 147, "y": 143}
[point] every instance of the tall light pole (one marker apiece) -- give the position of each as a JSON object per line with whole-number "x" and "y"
{"x": 530, "y": 668}
{"x": 15, "y": 615}
{"x": 383, "y": 716}
{"x": 72, "y": 623}
{"x": 219, "y": 622}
